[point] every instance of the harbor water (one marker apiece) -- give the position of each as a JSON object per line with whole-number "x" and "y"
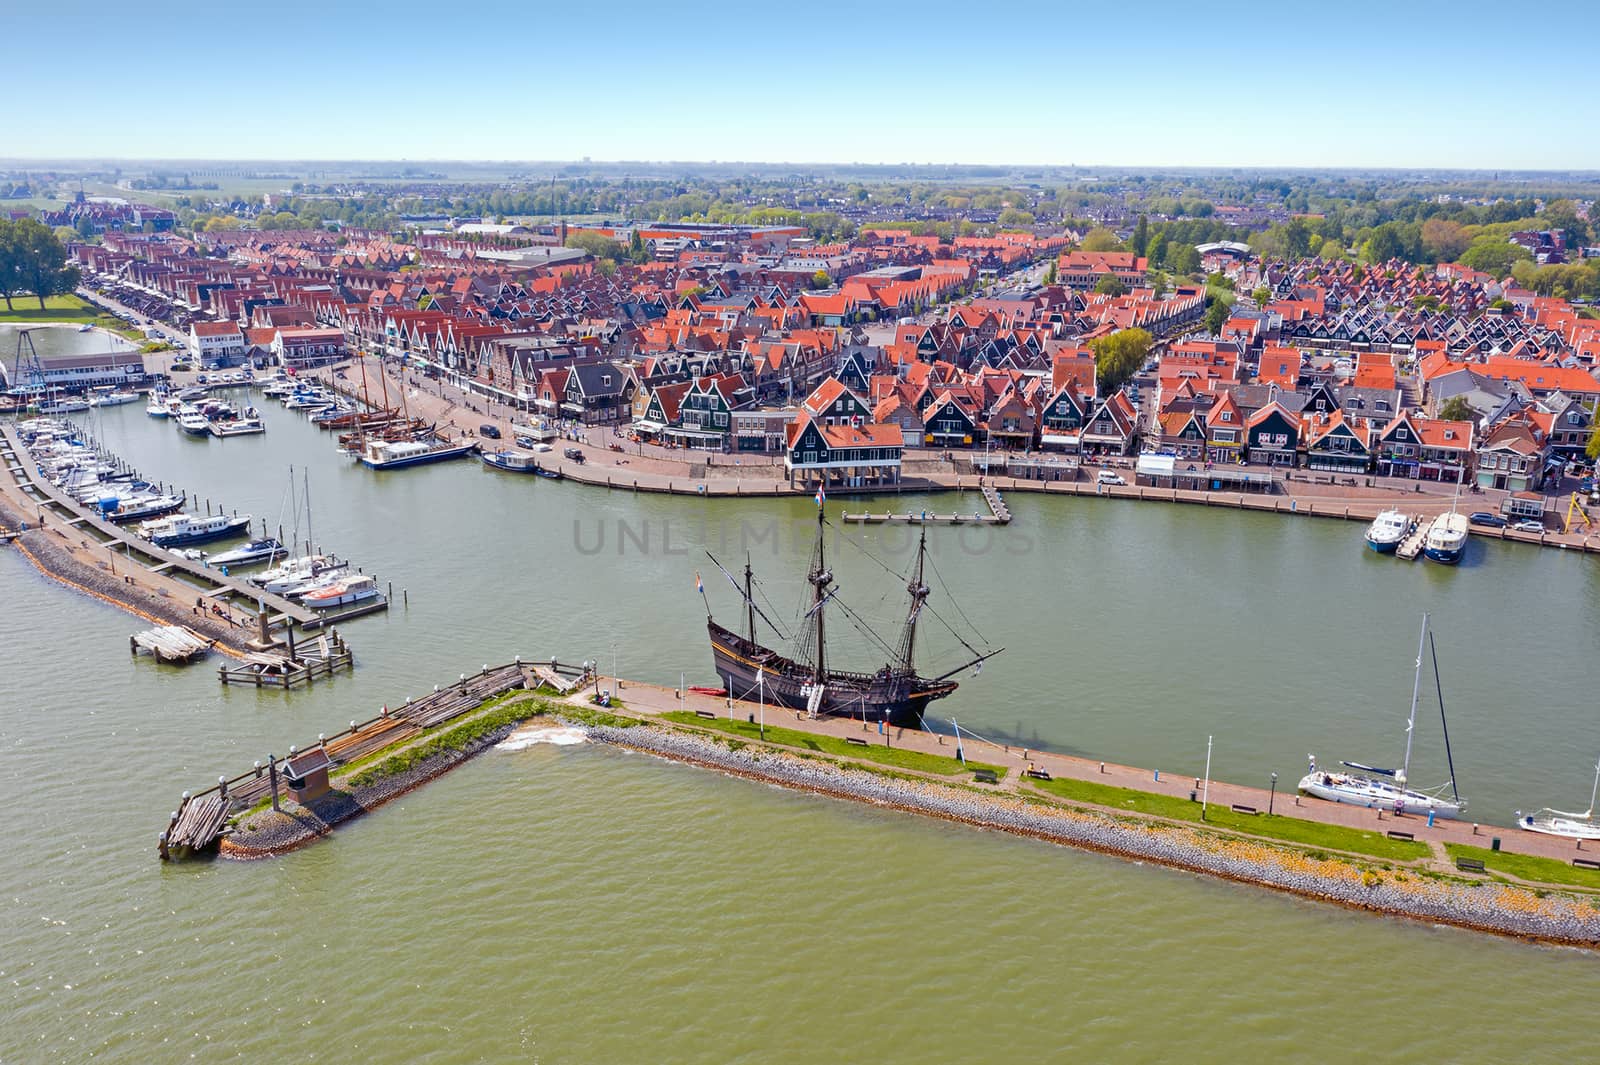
{"x": 564, "y": 902}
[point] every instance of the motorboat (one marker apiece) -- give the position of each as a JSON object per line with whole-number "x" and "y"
{"x": 300, "y": 574}
{"x": 252, "y": 553}
{"x": 159, "y": 406}
{"x": 140, "y": 508}
{"x": 1389, "y": 789}
{"x": 245, "y": 423}
{"x": 1388, "y": 530}
{"x": 184, "y": 529}
{"x": 397, "y": 454}
{"x": 511, "y": 461}
{"x": 342, "y": 592}
{"x": 194, "y": 422}
{"x": 1447, "y": 539}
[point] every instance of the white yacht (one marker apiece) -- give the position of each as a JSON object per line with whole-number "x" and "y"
{"x": 1388, "y": 530}
{"x": 1561, "y": 823}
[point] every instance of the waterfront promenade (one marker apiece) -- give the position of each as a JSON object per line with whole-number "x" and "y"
{"x": 653, "y": 469}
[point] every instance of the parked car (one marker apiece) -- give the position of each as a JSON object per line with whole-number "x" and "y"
{"x": 524, "y": 441}
{"x": 1484, "y": 518}
{"x": 490, "y": 430}
{"x": 573, "y": 453}
{"x": 1528, "y": 525}
{"x": 1108, "y": 477}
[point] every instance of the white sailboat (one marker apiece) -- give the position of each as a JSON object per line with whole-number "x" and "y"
{"x": 1387, "y": 789}
{"x": 1561, "y": 823}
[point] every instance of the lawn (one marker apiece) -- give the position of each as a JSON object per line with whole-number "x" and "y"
{"x": 834, "y": 745}
{"x": 1527, "y": 867}
{"x": 69, "y": 308}
{"x": 1276, "y": 826}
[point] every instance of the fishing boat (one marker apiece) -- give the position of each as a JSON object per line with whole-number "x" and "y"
{"x": 1566, "y": 825}
{"x": 804, "y": 680}
{"x": 398, "y": 454}
{"x": 1447, "y": 539}
{"x": 1387, "y": 530}
{"x": 1388, "y": 789}
{"x": 183, "y": 529}
{"x": 511, "y": 461}
{"x": 342, "y": 592}
{"x": 266, "y": 549}
{"x": 110, "y": 397}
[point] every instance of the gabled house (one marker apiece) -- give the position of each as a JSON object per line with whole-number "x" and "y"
{"x": 1225, "y": 430}
{"x": 1333, "y": 443}
{"x": 598, "y": 393}
{"x": 1515, "y": 452}
{"x": 1183, "y": 432}
{"x": 1427, "y": 449}
{"x": 949, "y": 423}
{"x": 1272, "y": 436}
{"x": 1112, "y": 428}
{"x": 1061, "y": 423}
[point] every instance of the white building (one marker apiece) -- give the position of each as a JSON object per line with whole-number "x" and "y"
{"x": 216, "y": 341}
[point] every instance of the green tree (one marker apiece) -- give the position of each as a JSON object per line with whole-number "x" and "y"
{"x": 1101, "y": 239}
{"x": 1141, "y": 236}
{"x": 1110, "y": 285}
{"x": 1331, "y": 249}
{"x": 1217, "y": 316}
{"x": 1494, "y": 255}
{"x": 637, "y": 252}
{"x": 10, "y": 262}
{"x": 1457, "y": 409}
{"x": 1118, "y": 357}
{"x": 41, "y": 261}
{"x": 1593, "y": 450}
{"x": 820, "y": 279}
{"x": 1050, "y": 273}
{"x": 1444, "y": 239}
{"x": 1012, "y": 218}
{"x": 1185, "y": 260}
{"x": 1262, "y": 295}
{"x": 600, "y": 247}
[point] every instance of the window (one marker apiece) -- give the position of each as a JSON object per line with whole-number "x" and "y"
{"x": 1227, "y": 415}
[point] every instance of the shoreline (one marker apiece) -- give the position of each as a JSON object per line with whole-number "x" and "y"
{"x": 1491, "y": 907}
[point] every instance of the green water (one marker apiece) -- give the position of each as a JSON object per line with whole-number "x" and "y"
{"x": 586, "y": 905}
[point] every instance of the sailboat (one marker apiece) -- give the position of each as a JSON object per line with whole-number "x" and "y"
{"x": 1560, "y": 823}
{"x": 896, "y": 693}
{"x": 1388, "y": 789}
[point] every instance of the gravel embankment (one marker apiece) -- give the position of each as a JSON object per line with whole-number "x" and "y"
{"x": 1490, "y": 907}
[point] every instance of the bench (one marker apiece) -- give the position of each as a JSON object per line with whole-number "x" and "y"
{"x": 1586, "y": 863}
{"x": 707, "y": 714}
{"x": 1395, "y": 834}
{"x": 1239, "y": 809}
{"x": 857, "y": 740}
{"x": 985, "y": 776}
{"x": 1038, "y": 774}
{"x": 1470, "y": 865}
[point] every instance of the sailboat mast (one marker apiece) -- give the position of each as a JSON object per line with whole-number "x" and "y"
{"x": 820, "y": 578}
{"x": 310, "y": 538}
{"x": 1594, "y": 791}
{"x": 1416, "y": 690}
{"x": 749, "y": 603}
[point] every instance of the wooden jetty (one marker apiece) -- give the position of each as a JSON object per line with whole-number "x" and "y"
{"x": 284, "y": 665}
{"x": 171, "y": 643}
{"x": 201, "y": 818}
{"x": 999, "y": 514}
{"x": 1411, "y": 546}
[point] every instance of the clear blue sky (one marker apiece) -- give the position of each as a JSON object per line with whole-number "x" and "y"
{"x": 1397, "y": 83}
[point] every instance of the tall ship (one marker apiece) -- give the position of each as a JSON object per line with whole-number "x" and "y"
{"x": 804, "y": 680}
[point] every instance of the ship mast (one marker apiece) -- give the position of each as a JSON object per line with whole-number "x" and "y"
{"x": 1416, "y": 687}
{"x": 749, "y": 602}
{"x": 820, "y": 578}
{"x": 919, "y": 595}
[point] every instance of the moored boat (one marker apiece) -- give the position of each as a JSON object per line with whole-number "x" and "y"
{"x": 342, "y": 592}
{"x": 398, "y": 454}
{"x": 183, "y": 529}
{"x": 1387, "y": 530}
{"x": 112, "y": 397}
{"x": 510, "y": 461}
{"x": 1561, "y": 823}
{"x": 194, "y": 422}
{"x": 265, "y": 549}
{"x": 1447, "y": 539}
{"x": 1389, "y": 789}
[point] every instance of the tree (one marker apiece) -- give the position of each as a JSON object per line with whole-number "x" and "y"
{"x": 1262, "y": 295}
{"x": 1593, "y": 450}
{"x": 1050, "y": 273}
{"x": 1494, "y": 255}
{"x": 637, "y": 252}
{"x": 41, "y": 261}
{"x": 1331, "y": 249}
{"x": 1185, "y": 260}
{"x": 1217, "y": 316}
{"x": 1444, "y": 240}
{"x": 600, "y": 247}
{"x": 820, "y": 279}
{"x": 1118, "y": 356}
{"x": 1457, "y": 409}
{"x": 10, "y": 262}
{"x": 1101, "y": 239}
{"x": 1141, "y": 235}
{"x": 1110, "y": 285}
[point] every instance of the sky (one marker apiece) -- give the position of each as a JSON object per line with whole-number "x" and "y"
{"x": 1404, "y": 83}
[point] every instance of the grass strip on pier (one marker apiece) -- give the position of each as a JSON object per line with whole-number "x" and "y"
{"x": 512, "y": 709}
{"x": 1276, "y": 826}
{"x": 835, "y": 745}
{"x": 1527, "y": 867}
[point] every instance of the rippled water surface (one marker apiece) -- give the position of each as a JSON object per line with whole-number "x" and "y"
{"x": 572, "y": 903}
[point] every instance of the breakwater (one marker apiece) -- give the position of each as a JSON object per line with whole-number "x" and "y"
{"x": 1497, "y": 908}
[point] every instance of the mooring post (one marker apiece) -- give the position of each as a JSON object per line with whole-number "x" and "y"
{"x": 272, "y": 771}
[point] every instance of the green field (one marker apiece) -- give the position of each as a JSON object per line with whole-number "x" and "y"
{"x": 788, "y": 737}
{"x": 1527, "y": 867}
{"x": 25, "y": 308}
{"x": 1276, "y": 827}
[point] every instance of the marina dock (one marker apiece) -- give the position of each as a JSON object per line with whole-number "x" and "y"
{"x": 999, "y": 514}
{"x": 1411, "y": 546}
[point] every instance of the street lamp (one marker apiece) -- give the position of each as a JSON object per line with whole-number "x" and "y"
{"x": 1273, "y": 794}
